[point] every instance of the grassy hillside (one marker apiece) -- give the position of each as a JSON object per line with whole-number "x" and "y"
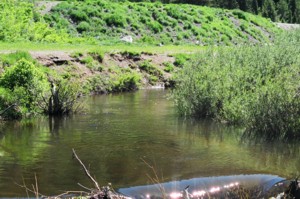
{"x": 158, "y": 23}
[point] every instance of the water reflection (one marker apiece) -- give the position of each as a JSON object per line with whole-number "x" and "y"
{"x": 116, "y": 132}
{"x": 207, "y": 187}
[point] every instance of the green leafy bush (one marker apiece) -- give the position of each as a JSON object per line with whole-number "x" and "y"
{"x": 20, "y": 22}
{"x": 255, "y": 86}
{"x": 181, "y": 59}
{"x": 155, "y": 26}
{"x": 8, "y": 105}
{"x": 169, "y": 67}
{"x": 63, "y": 98}
{"x": 28, "y": 84}
{"x": 11, "y": 58}
{"x": 97, "y": 55}
{"x": 78, "y": 15}
{"x": 116, "y": 20}
{"x": 150, "y": 68}
{"x": 125, "y": 82}
{"x": 83, "y": 26}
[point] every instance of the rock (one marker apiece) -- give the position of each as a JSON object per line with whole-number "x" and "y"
{"x": 127, "y": 39}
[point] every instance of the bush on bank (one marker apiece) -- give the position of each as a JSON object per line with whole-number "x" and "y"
{"x": 25, "y": 89}
{"x": 255, "y": 86}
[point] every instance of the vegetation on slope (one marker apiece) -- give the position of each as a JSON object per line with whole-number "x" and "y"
{"x": 156, "y": 23}
{"x": 20, "y": 22}
{"x": 256, "y": 86}
{"x": 28, "y": 88}
{"x": 278, "y": 10}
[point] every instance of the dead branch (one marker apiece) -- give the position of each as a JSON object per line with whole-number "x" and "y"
{"x": 155, "y": 179}
{"x": 71, "y": 192}
{"x": 85, "y": 187}
{"x": 86, "y": 171}
{"x": 31, "y": 191}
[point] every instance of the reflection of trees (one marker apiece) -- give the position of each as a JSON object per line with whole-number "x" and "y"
{"x": 54, "y": 124}
{"x": 282, "y": 158}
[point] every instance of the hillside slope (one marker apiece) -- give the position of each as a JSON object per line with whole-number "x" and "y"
{"x": 156, "y": 23}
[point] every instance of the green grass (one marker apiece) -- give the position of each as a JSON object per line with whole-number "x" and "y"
{"x": 156, "y": 23}
{"x": 102, "y": 22}
{"x": 28, "y": 46}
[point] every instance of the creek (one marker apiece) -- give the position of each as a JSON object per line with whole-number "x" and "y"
{"x": 117, "y": 133}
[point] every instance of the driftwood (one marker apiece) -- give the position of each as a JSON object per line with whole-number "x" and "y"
{"x": 107, "y": 192}
{"x": 86, "y": 171}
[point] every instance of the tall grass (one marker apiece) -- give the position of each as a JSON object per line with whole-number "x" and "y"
{"x": 255, "y": 86}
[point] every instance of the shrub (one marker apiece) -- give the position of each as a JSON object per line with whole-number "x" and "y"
{"x": 169, "y": 67}
{"x": 239, "y": 14}
{"x": 76, "y": 54}
{"x": 97, "y": 55}
{"x": 126, "y": 82}
{"x": 256, "y": 87}
{"x": 11, "y": 58}
{"x": 87, "y": 60}
{"x": 150, "y": 68}
{"x": 181, "y": 59}
{"x": 8, "y": 105}
{"x": 78, "y": 16}
{"x": 63, "y": 98}
{"x": 28, "y": 84}
{"x": 155, "y": 26}
{"x": 116, "y": 20}
{"x": 83, "y": 26}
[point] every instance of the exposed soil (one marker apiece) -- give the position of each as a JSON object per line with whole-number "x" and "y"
{"x": 63, "y": 62}
{"x": 46, "y": 6}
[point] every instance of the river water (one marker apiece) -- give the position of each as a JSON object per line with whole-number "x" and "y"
{"x": 117, "y": 134}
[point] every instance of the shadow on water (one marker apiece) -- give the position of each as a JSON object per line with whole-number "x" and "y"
{"x": 116, "y": 132}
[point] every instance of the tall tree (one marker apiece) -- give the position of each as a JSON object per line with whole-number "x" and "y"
{"x": 232, "y": 4}
{"x": 245, "y": 5}
{"x": 283, "y": 11}
{"x": 268, "y": 10}
{"x": 294, "y": 7}
{"x": 255, "y": 6}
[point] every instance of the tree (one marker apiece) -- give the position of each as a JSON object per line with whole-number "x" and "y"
{"x": 283, "y": 11}
{"x": 255, "y": 6}
{"x": 232, "y": 4}
{"x": 294, "y": 6}
{"x": 269, "y": 10}
{"x": 244, "y": 5}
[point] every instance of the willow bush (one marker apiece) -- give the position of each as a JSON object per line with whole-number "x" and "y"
{"x": 25, "y": 89}
{"x": 255, "y": 86}
{"x": 23, "y": 85}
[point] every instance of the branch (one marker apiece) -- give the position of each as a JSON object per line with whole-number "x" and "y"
{"x": 86, "y": 171}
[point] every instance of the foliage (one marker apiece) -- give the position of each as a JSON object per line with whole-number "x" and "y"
{"x": 150, "y": 68}
{"x": 97, "y": 55}
{"x": 128, "y": 81}
{"x": 181, "y": 59}
{"x": 256, "y": 86}
{"x": 11, "y": 58}
{"x": 18, "y": 22}
{"x": 270, "y": 8}
{"x": 156, "y": 23}
{"x": 169, "y": 67}
{"x": 8, "y": 105}
{"x": 24, "y": 89}
{"x": 27, "y": 84}
{"x": 63, "y": 98}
